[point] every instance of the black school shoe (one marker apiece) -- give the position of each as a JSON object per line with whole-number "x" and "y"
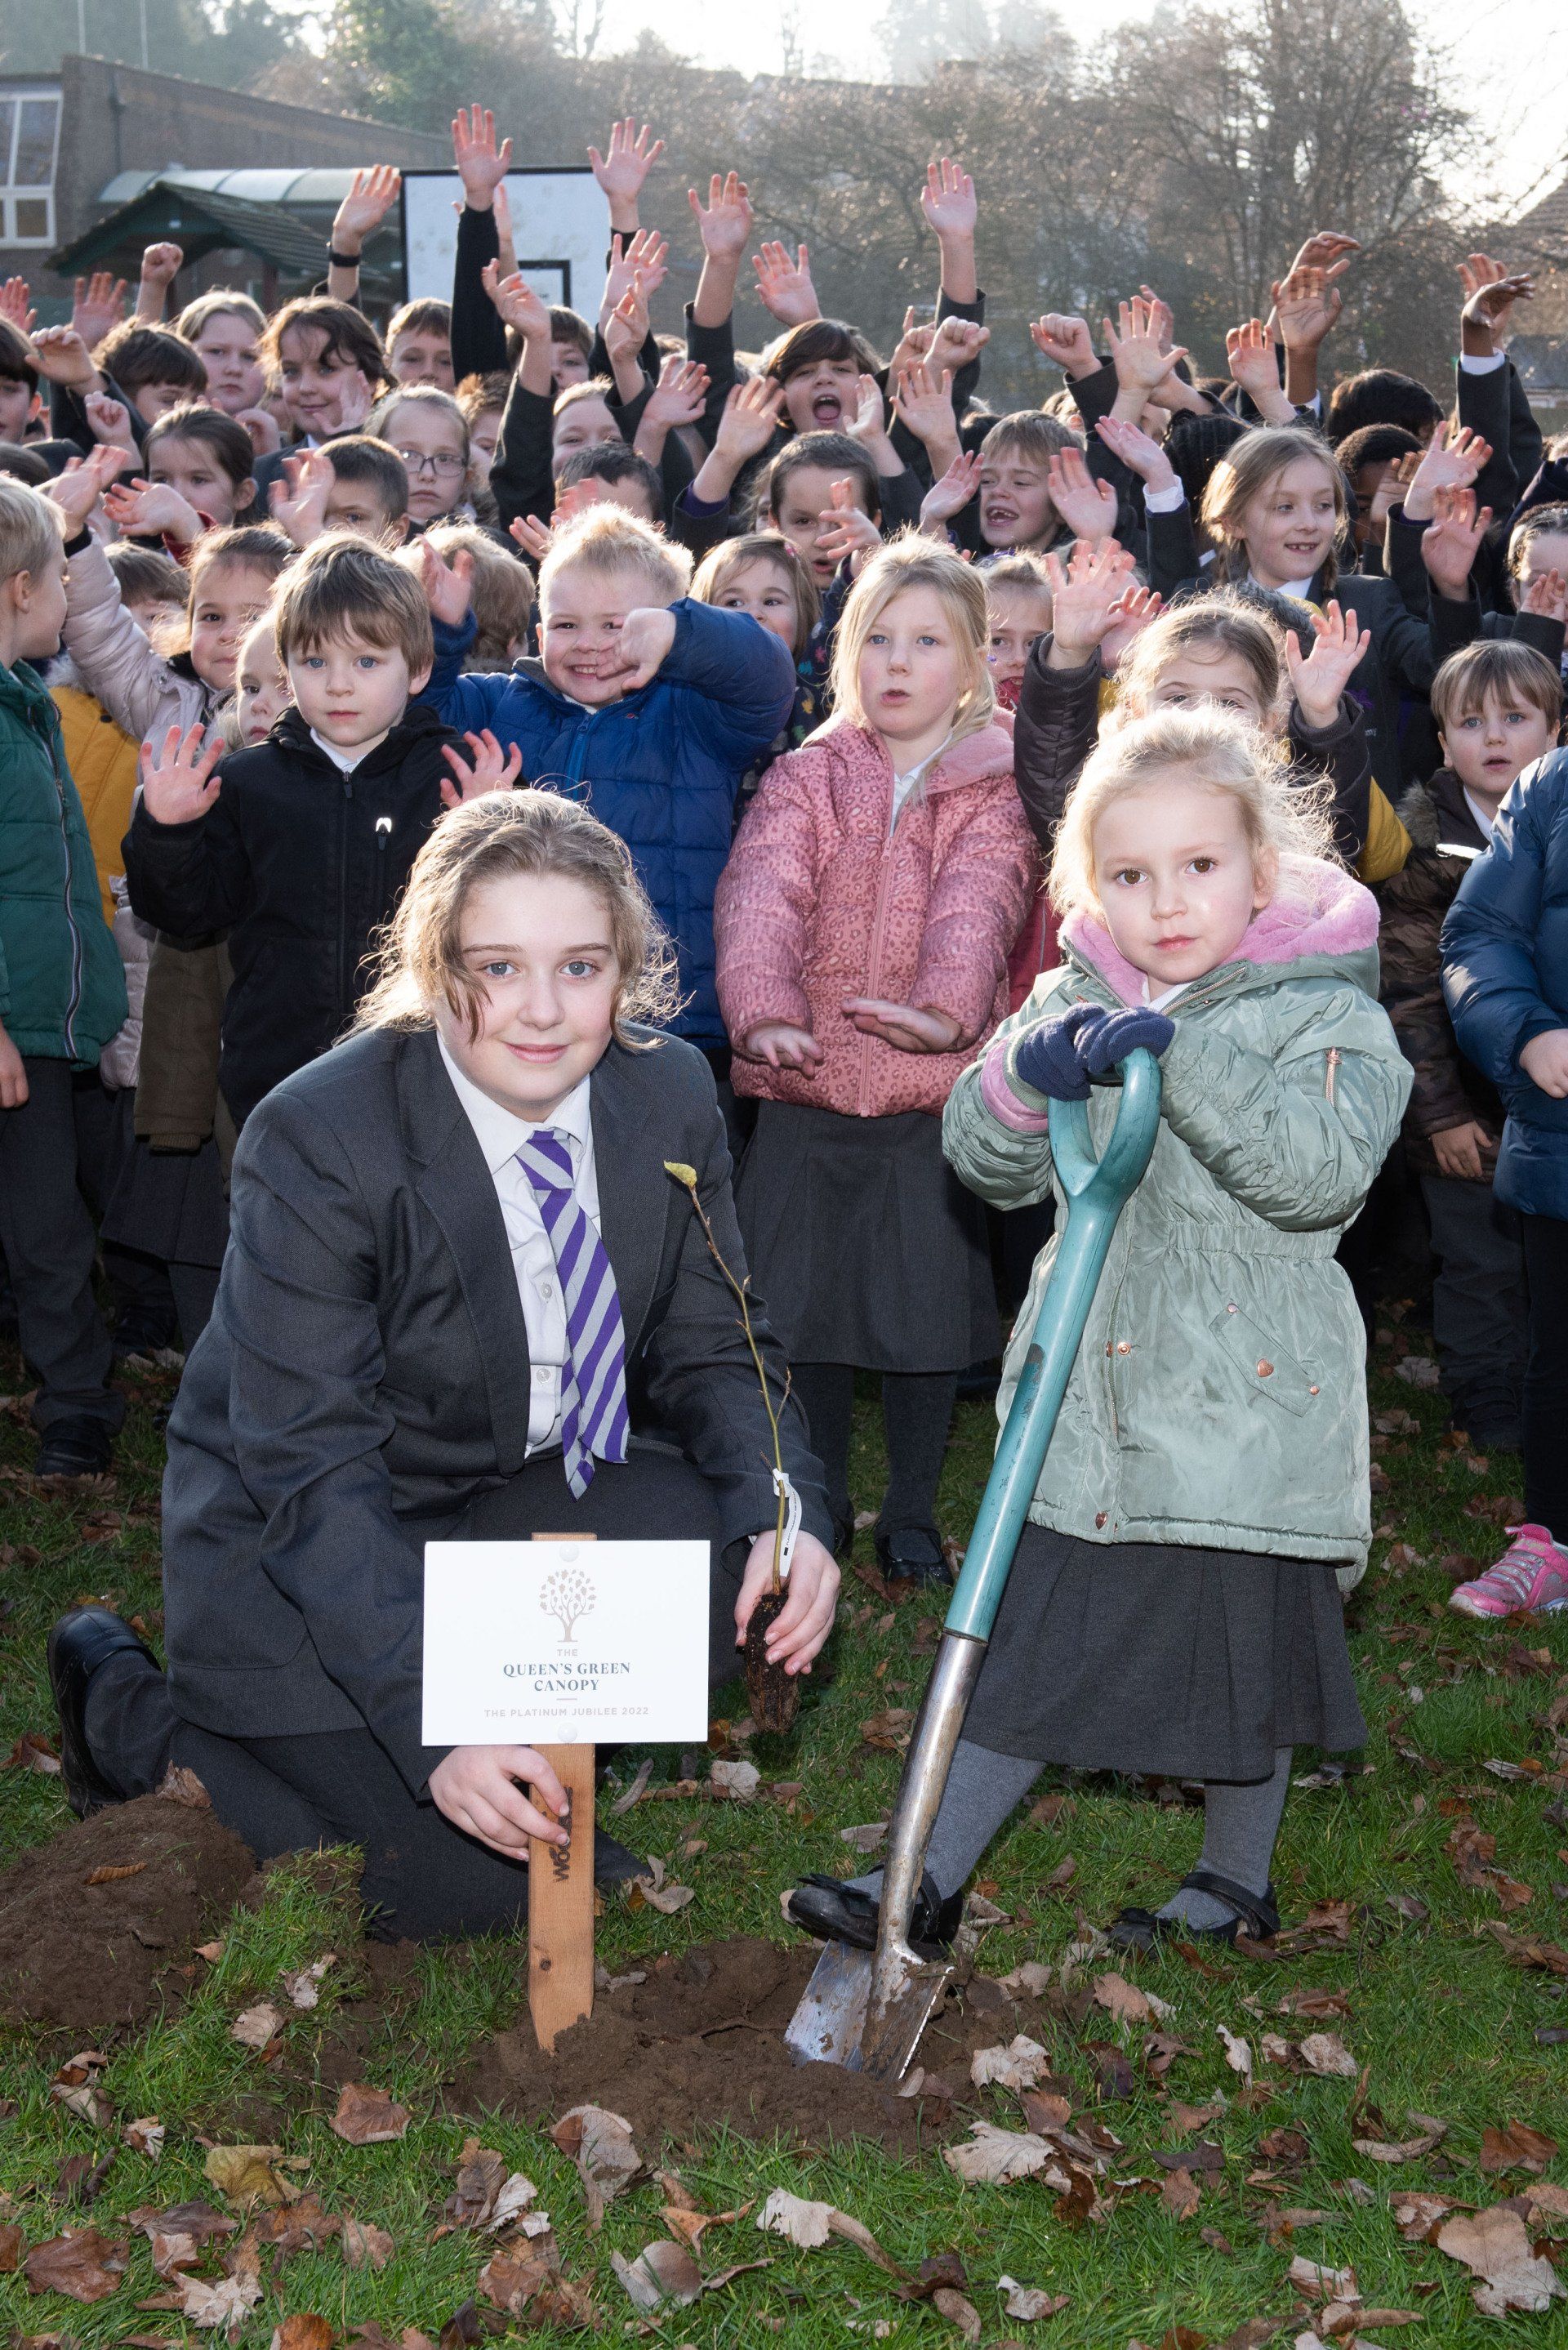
{"x": 1140, "y": 1929}
{"x": 836, "y": 1912}
{"x": 615, "y": 1863}
{"x": 79, "y": 1447}
{"x": 912, "y": 1554}
{"x": 80, "y": 1643}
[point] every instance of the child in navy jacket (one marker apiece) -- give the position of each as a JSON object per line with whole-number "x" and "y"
{"x": 647, "y": 706}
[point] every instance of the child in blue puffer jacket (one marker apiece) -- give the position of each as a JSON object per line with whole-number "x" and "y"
{"x": 1505, "y": 976}
{"x": 647, "y": 706}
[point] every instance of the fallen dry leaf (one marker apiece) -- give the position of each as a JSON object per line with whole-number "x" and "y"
{"x": 1180, "y": 2195}
{"x": 662, "y": 2273}
{"x": 247, "y": 2176}
{"x": 303, "y": 2331}
{"x": 79, "y": 2263}
{"x": 1017, "y": 2066}
{"x": 654, "y": 1891}
{"x": 991, "y": 2156}
{"x": 180, "y": 2234}
{"x": 809, "y": 2225}
{"x": 1320, "y": 2284}
{"x": 1028, "y": 2302}
{"x": 256, "y": 2026}
{"x": 1324, "y": 2053}
{"x": 366, "y": 2246}
{"x": 1494, "y": 2245}
{"x": 10, "y": 2248}
{"x": 1028, "y": 1981}
{"x": 146, "y": 2136}
{"x": 481, "y": 2171}
{"x": 867, "y": 1838}
{"x": 959, "y": 2311}
{"x": 1408, "y": 2150}
{"x": 226, "y": 2303}
{"x": 179, "y": 1785}
{"x": 114, "y": 1875}
{"x": 888, "y": 1731}
{"x": 33, "y": 1752}
{"x": 1124, "y": 2000}
{"x": 1515, "y": 2146}
{"x": 1238, "y": 2055}
{"x": 304, "y": 1986}
{"x": 367, "y": 2116}
{"x": 516, "y": 2193}
{"x": 1185, "y": 2119}
{"x": 602, "y": 2146}
{"x": 738, "y": 1780}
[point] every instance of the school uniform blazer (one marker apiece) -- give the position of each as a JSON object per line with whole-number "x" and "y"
{"x": 365, "y": 1376}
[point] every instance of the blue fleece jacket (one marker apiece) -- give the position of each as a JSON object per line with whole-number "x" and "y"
{"x": 660, "y": 767}
{"x": 1505, "y": 976}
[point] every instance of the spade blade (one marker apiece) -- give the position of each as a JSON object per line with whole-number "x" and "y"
{"x": 825, "y": 2027}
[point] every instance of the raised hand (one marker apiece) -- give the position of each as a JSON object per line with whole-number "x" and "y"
{"x": 1254, "y": 366}
{"x": 621, "y": 172}
{"x": 160, "y": 265}
{"x": 947, "y": 200}
{"x": 1390, "y": 492}
{"x": 955, "y": 343}
{"x": 447, "y": 585}
{"x": 15, "y": 297}
{"x": 637, "y": 653}
{"x": 923, "y": 401}
{"x": 299, "y": 501}
{"x": 624, "y": 328}
{"x": 749, "y": 421}
{"x": 62, "y": 357}
{"x": 354, "y": 398}
{"x": 266, "y": 438}
{"x": 847, "y": 528}
{"x": 141, "y": 508}
{"x": 1131, "y": 613}
{"x": 78, "y": 490}
{"x": 1325, "y": 248}
{"x": 782, "y": 1045}
{"x": 1490, "y": 293}
{"x": 641, "y": 255}
{"x": 1340, "y": 645}
{"x": 1307, "y": 301}
{"x": 1452, "y": 541}
{"x": 913, "y": 346}
{"x": 1446, "y": 464}
{"x": 1136, "y": 345}
{"x": 531, "y": 536}
{"x": 178, "y": 784}
{"x": 903, "y": 1026}
{"x": 869, "y": 423}
{"x": 98, "y": 307}
{"x": 678, "y": 396}
{"x": 1085, "y": 591}
{"x": 1066, "y": 343}
{"x": 1139, "y": 453}
{"x": 951, "y": 492}
{"x": 372, "y": 195}
{"x": 1088, "y": 507}
{"x": 490, "y": 769}
{"x": 110, "y": 421}
{"x": 481, "y": 164}
{"x": 1547, "y": 594}
{"x": 517, "y": 303}
{"x": 783, "y": 286}
{"x": 726, "y": 223}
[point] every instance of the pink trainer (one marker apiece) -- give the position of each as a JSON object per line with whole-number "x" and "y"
{"x": 1531, "y": 1574}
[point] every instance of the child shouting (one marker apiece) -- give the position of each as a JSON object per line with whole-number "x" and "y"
{"x": 1497, "y": 706}
{"x": 1173, "y": 1604}
{"x": 650, "y": 706}
{"x": 300, "y": 847}
{"x": 877, "y": 883}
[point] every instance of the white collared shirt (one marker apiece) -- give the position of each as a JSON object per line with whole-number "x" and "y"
{"x": 500, "y": 1134}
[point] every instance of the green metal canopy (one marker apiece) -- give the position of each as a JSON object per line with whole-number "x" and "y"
{"x": 201, "y": 221}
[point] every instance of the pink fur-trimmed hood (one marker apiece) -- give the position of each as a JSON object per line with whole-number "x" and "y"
{"x": 1319, "y": 913}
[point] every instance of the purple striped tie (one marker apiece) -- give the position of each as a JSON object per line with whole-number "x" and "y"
{"x": 593, "y": 1377}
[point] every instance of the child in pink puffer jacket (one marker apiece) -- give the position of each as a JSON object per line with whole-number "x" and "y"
{"x": 863, "y": 924}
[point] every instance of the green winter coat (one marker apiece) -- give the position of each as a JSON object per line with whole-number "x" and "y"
{"x": 1218, "y": 1398}
{"x": 62, "y": 984}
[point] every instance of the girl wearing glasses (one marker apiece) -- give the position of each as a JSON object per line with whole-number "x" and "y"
{"x": 429, "y": 432}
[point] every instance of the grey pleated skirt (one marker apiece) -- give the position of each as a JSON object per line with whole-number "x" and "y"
{"x": 862, "y": 1243}
{"x": 1182, "y": 1663}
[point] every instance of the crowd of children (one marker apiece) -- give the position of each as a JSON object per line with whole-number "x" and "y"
{"x": 956, "y": 753}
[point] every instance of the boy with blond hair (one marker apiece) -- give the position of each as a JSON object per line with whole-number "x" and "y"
{"x": 645, "y": 704}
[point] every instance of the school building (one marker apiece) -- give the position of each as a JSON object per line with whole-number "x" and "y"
{"x": 100, "y": 159}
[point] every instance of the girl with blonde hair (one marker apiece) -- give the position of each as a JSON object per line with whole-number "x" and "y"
{"x": 1174, "y": 1605}
{"x": 863, "y": 927}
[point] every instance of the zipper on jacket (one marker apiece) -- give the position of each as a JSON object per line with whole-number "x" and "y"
{"x": 1333, "y": 1060}
{"x": 873, "y": 974}
{"x": 343, "y": 901}
{"x": 73, "y": 1002}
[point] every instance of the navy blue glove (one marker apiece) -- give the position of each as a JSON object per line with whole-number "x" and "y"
{"x": 1047, "y": 1059}
{"x": 1114, "y": 1035}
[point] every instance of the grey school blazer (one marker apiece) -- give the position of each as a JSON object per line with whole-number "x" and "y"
{"x": 364, "y": 1375}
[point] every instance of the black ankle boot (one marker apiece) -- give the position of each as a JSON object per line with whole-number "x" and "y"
{"x": 837, "y": 1911}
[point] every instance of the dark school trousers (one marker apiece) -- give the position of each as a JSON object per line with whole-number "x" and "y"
{"x": 424, "y": 1878}
{"x": 1545, "y": 1414}
{"x": 1480, "y": 1301}
{"x": 46, "y": 1233}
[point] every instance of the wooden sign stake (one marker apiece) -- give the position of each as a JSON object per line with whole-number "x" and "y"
{"x": 561, "y": 1895}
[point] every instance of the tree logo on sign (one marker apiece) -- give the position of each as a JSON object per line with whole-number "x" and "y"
{"x": 568, "y": 1596}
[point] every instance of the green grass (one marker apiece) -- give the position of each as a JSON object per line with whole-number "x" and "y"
{"x": 1442, "y": 2019}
